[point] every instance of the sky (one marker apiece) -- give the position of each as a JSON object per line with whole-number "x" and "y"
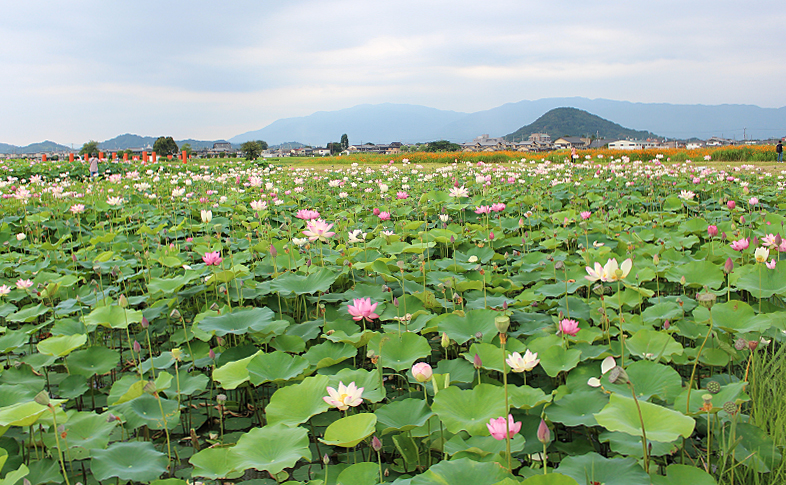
{"x": 81, "y": 70}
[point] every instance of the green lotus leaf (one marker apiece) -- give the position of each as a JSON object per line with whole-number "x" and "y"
{"x": 483, "y": 445}
{"x": 13, "y": 477}
{"x": 554, "y": 478}
{"x": 650, "y": 344}
{"x": 469, "y": 410}
{"x": 491, "y": 355}
{"x": 593, "y": 467}
{"x": 295, "y": 404}
{"x": 86, "y": 432}
{"x": 697, "y": 274}
{"x": 235, "y": 373}
{"x": 272, "y": 448}
{"x": 668, "y": 310}
{"x": 239, "y": 322}
{"x": 677, "y": 473}
{"x": 756, "y": 450}
{"x": 462, "y": 470}
{"x": 275, "y": 367}
{"x": 113, "y": 316}
{"x": 93, "y": 360}
{"x": 72, "y": 386}
{"x": 189, "y": 383}
{"x": 329, "y": 353}
{"x": 145, "y": 411}
{"x": 629, "y": 445}
{"x": 26, "y": 413}
{"x": 557, "y": 359}
{"x": 28, "y": 314}
{"x": 761, "y": 282}
{"x": 399, "y": 352}
{"x": 359, "y": 474}
{"x": 295, "y": 284}
{"x": 578, "y": 408}
{"x": 373, "y": 390}
{"x": 351, "y": 430}
{"x": 170, "y": 286}
{"x": 733, "y": 316}
{"x": 661, "y": 424}
{"x": 217, "y": 462}
{"x": 732, "y": 392}
{"x": 137, "y": 460}
{"x": 526, "y": 397}
{"x": 462, "y": 328}
{"x": 402, "y": 415}
{"x": 62, "y": 345}
{"x": 649, "y": 379}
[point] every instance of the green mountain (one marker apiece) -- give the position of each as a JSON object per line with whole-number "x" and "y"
{"x": 44, "y": 146}
{"x": 561, "y": 122}
{"x": 135, "y": 141}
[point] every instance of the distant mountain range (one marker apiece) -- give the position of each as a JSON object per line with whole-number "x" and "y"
{"x": 561, "y": 122}
{"x": 384, "y": 123}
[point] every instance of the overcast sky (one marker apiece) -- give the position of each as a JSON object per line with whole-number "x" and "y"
{"x": 79, "y": 70}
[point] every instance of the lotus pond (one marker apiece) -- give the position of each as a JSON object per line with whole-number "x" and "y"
{"x": 603, "y": 322}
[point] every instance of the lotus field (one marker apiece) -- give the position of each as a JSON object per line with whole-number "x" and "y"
{"x": 608, "y": 321}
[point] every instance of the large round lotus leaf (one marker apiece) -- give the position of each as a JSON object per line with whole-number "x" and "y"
{"x": 677, "y": 473}
{"x": 272, "y": 448}
{"x": 113, "y": 316}
{"x": 137, "y": 460}
{"x": 483, "y": 445}
{"x": 459, "y": 369}
{"x": 772, "y": 282}
{"x": 592, "y": 467}
{"x": 218, "y": 462}
{"x": 462, "y": 328}
{"x": 629, "y": 445}
{"x": 13, "y": 477}
{"x": 13, "y": 340}
{"x": 93, "y": 360}
{"x": 243, "y": 321}
{"x": 733, "y": 316}
{"x": 667, "y": 310}
{"x": 351, "y": 430}
{"x": 276, "y": 366}
{"x": 729, "y": 393}
{"x": 526, "y": 397}
{"x": 649, "y": 379}
{"x": 329, "y": 353}
{"x": 463, "y": 470}
{"x": 577, "y": 408}
{"x": 661, "y": 424}
{"x": 697, "y": 274}
{"x": 399, "y": 352}
{"x": 650, "y": 344}
{"x": 189, "y": 383}
{"x": 550, "y": 479}
{"x": 145, "y": 411}
{"x": 72, "y": 386}
{"x": 28, "y": 314}
{"x": 402, "y": 415}
{"x": 469, "y": 409}
{"x": 170, "y": 286}
{"x": 373, "y": 390}
{"x": 61, "y": 345}
{"x": 86, "y": 432}
{"x": 366, "y": 473}
{"x": 290, "y": 283}
{"x": 295, "y": 404}
{"x": 234, "y": 373}
{"x": 557, "y": 359}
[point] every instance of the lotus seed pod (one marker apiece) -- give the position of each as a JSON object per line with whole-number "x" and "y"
{"x": 618, "y": 375}
{"x": 502, "y": 323}
{"x": 713, "y": 387}
{"x": 752, "y": 344}
{"x": 706, "y": 299}
{"x": 730, "y": 407}
{"x": 740, "y": 343}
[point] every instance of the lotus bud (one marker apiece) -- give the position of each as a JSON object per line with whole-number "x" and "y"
{"x": 491, "y": 235}
{"x": 122, "y": 301}
{"x": 655, "y": 259}
{"x": 445, "y": 340}
{"x": 137, "y": 347}
{"x": 452, "y": 239}
{"x": 666, "y": 325}
{"x": 728, "y": 267}
{"x": 376, "y": 445}
{"x": 544, "y": 434}
{"x": 221, "y": 398}
{"x": 755, "y": 241}
{"x": 273, "y": 251}
{"x": 145, "y": 322}
{"x": 712, "y": 230}
{"x": 752, "y": 344}
{"x": 778, "y": 240}
{"x": 326, "y": 459}
{"x": 477, "y": 362}
{"x": 682, "y": 280}
{"x": 212, "y": 354}
{"x": 42, "y": 398}
{"x": 502, "y": 323}
{"x": 395, "y": 302}
{"x": 175, "y": 314}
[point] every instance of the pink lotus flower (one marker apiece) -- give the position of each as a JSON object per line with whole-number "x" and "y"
{"x": 712, "y": 230}
{"x": 307, "y": 214}
{"x": 422, "y": 371}
{"x": 362, "y": 308}
{"x": 483, "y": 209}
{"x": 376, "y": 211}
{"x": 498, "y": 207}
{"x": 771, "y": 264}
{"x": 585, "y": 215}
{"x": 384, "y": 216}
{"x": 23, "y": 284}
{"x": 753, "y": 200}
{"x": 402, "y": 195}
{"x": 318, "y": 229}
{"x": 497, "y": 427}
{"x": 569, "y": 327}
{"x": 345, "y": 397}
{"x": 740, "y": 245}
{"x": 212, "y": 259}
{"x": 77, "y": 208}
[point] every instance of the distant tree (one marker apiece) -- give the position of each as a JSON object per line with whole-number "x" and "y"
{"x": 186, "y": 147}
{"x": 335, "y": 147}
{"x": 165, "y": 146}
{"x": 262, "y": 145}
{"x": 251, "y": 150}
{"x": 344, "y": 142}
{"x": 442, "y": 146}
{"x": 90, "y": 149}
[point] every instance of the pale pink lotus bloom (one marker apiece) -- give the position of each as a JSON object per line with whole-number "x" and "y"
{"x": 212, "y": 259}
{"x": 384, "y": 216}
{"x": 585, "y": 215}
{"x": 345, "y": 397}
{"x": 522, "y": 363}
{"x": 77, "y": 208}
{"x": 498, "y": 207}
{"x": 740, "y": 245}
{"x": 771, "y": 264}
{"x": 258, "y": 205}
{"x": 318, "y": 229}
{"x": 307, "y": 214}
{"x": 569, "y": 327}
{"x": 4, "y": 290}
{"x": 753, "y": 200}
{"x": 483, "y": 209}
{"x": 362, "y": 308}
{"x": 402, "y": 195}
{"x": 422, "y": 371}
{"x": 768, "y": 240}
{"x": 23, "y": 284}
{"x": 497, "y": 427}
{"x": 596, "y": 273}
{"x": 458, "y": 192}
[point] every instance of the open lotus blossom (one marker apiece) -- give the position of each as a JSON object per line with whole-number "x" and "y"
{"x": 458, "y": 192}
{"x": 498, "y": 207}
{"x": 607, "y": 364}
{"x": 23, "y": 284}
{"x": 712, "y": 230}
{"x": 362, "y": 308}
{"x": 614, "y": 273}
{"x": 422, "y": 371}
{"x": 771, "y": 264}
{"x": 345, "y": 397}
{"x": 687, "y": 195}
{"x": 585, "y": 215}
{"x": 595, "y": 273}
{"x": 4, "y": 290}
{"x": 356, "y": 236}
{"x": 114, "y": 201}
{"x": 206, "y": 215}
{"x": 768, "y": 240}
{"x": 384, "y": 216}
{"x": 307, "y": 214}
{"x": 212, "y": 259}
{"x": 761, "y": 255}
{"x": 402, "y": 195}
{"x": 740, "y": 245}
{"x": 498, "y": 429}
{"x": 258, "y": 205}
{"x": 753, "y": 200}
{"x": 77, "y": 208}
{"x": 569, "y": 327}
{"x": 522, "y": 363}
{"x": 483, "y": 209}
{"x": 318, "y": 229}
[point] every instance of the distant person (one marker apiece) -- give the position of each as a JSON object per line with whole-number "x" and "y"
{"x": 93, "y": 166}
{"x": 779, "y": 151}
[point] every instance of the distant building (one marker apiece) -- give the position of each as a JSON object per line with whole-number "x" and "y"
{"x": 572, "y": 142}
{"x": 632, "y": 144}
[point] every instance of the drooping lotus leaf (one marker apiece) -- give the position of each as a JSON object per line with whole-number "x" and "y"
{"x": 276, "y": 366}
{"x": 295, "y": 404}
{"x": 240, "y": 322}
{"x": 351, "y": 430}
{"x": 661, "y": 424}
{"x": 402, "y": 415}
{"x": 272, "y": 448}
{"x": 61, "y": 345}
{"x": 93, "y": 360}
{"x": 113, "y": 316}
{"x": 469, "y": 410}
{"x": 136, "y": 460}
{"x": 596, "y": 468}
{"x": 27, "y": 413}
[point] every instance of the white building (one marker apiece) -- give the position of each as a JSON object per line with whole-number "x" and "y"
{"x": 632, "y": 144}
